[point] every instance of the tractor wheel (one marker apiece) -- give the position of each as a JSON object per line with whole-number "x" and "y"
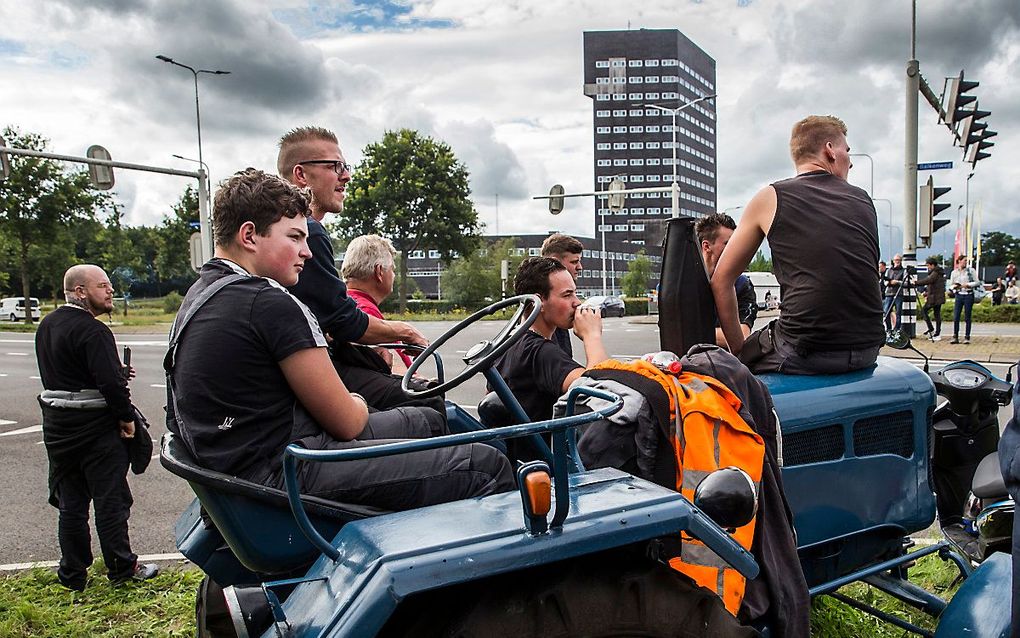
{"x": 608, "y": 594}
{"x": 212, "y": 618}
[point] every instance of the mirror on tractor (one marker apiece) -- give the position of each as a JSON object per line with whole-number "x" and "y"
{"x": 898, "y": 340}
{"x": 728, "y": 496}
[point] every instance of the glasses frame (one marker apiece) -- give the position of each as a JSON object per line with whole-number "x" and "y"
{"x": 339, "y": 166}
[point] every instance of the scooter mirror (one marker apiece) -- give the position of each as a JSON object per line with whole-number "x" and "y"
{"x": 728, "y": 496}
{"x": 897, "y": 339}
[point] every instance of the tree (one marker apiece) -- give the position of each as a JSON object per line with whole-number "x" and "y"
{"x": 37, "y": 199}
{"x": 473, "y": 279}
{"x": 760, "y": 263}
{"x": 173, "y": 251}
{"x": 998, "y": 248}
{"x": 639, "y": 271}
{"x": 413, "y": 190}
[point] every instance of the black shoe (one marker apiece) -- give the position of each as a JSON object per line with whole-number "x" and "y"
{"x": 141, "y": 572}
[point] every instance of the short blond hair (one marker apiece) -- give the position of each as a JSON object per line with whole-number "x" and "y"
{"x": 364, "y": 254}
{"x": 812, "y": 133}
{"x": 293, "y": 144}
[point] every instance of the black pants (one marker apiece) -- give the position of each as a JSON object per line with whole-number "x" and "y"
{"x": 938, "y": 317}
{"x": 382, "y": 390}
{"x": 766, "y": 350}
{"x": 100, "y": 477}
{"x": 964, "y": 304}
{"x": 404, "y": 481}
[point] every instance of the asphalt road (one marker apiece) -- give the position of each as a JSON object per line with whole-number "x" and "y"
{"x": 28, "y": 524}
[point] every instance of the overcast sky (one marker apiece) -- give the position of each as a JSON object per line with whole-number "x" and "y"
{"x": 501, "y": 82}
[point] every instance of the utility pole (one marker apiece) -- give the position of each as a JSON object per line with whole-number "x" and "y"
{"x": 908, "y": 323}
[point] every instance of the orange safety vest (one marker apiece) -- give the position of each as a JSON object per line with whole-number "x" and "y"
{"x": 710, "y": 434}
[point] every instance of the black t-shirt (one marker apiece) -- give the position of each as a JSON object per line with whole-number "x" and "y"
{"x": 236, "y": 406}
{"x": 562, "y": 339}
{"x": 76, "y": 352}
{"x": 535, "y": 368}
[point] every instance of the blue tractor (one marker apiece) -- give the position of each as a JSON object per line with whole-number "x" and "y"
{"x": 573, "y": 551}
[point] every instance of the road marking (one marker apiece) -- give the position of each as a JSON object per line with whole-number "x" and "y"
{"x": 30, "y": 429}
{"x": 35, "y": 377}
{"x": 17, "y": 567}
{"x": 17, "y": 354}
{"x": 5, "y": 422}
{"x": 157, "y": 385}
{"x": 3, "y": 374}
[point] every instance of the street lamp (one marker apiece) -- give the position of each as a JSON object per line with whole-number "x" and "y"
{"x": 198, "y": 112}
{"x": 673, "y": 112}
{"x": 871, "y": 192}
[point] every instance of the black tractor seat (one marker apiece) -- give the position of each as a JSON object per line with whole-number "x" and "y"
{"x": 988, "y": 482}
{"x": 255, "y": 520}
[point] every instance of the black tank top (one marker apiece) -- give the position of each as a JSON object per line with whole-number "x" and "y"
{"x": 824, "y": 243}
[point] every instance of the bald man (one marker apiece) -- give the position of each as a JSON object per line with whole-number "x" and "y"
{"x": 87, "y": 420}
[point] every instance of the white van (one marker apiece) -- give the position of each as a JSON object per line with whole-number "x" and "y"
{"x": 766, "y": 289}
{"x": 13, "y": 308}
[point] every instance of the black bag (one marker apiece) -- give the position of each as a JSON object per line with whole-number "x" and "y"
{"x": 140, "y": 447}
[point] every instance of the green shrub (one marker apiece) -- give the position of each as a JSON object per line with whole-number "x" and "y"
{"x": 635, "y": 306}
{"x": 985, "y": 312}
{"x": 172, "y": 302}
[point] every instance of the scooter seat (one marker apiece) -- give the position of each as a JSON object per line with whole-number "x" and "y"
{"x": 988, "y": 482}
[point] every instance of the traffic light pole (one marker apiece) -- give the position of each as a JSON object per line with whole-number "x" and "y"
{"x": 908, "y": 322}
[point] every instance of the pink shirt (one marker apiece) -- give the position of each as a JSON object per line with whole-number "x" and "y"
{"x": 369, "y": 307}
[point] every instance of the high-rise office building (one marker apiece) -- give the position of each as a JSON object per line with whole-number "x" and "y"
{"x": 625, "y": 72}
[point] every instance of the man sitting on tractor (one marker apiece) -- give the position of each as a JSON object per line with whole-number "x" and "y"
{"x": 535, "y": 368}
{"x": 251, "y": 374}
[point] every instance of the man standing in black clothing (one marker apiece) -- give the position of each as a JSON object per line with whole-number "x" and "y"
{"x": 310, "y": 158}
{"x": 87, "y": 416}
{"x": 823, "y": 233}
{"x": 934, "y": 297}
{"x": 714, "y": 232}
{"x": 567, "y": 251}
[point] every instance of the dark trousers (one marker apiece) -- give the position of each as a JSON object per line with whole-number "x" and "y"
{"x": 938, "y": 317}
{"x": 100, "y": 478}
{"x": 964, "y": 304}
{"x": 766, "y": 350}
{"x": 890, "y": 302}
{"x": 382, "y": 390}
{"x": 404, "y": 481}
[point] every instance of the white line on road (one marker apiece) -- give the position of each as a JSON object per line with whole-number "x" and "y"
{"x": 3, "y": 374}
{"x": 17, "y": 354}
{"x": 17, "y": 567}
{"x": 30, "y": 429}
{"x": 35, "y": 378}
{"x": 5, "y": 422}
{"x": 158, "y": 385}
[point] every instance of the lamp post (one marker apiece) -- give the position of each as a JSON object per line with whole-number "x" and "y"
{"x": 673, "y": 112}
{"x": 966, "y": 211}
{"x": 889, "y": 204}
{"x": 871, "y": 160}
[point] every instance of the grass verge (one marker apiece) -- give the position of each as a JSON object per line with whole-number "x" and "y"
{"x": 33, "y": 603}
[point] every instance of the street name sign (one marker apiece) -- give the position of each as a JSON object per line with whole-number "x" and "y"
{"x": 934, "y": 166}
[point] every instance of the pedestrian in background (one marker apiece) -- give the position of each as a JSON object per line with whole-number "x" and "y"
{"x": 963, "y": 281}
{"x": 1009, "y": 276}
{"x": 88, "y": 421}
{"x": 1012, "y": 293}
{"x": 934, "y": 297}
{"x": 881, "y": 276}
{"x": 998, "y": 291}
{"x": 893, "y": 295}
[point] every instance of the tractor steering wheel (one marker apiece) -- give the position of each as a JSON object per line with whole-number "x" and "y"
{"x": 484, "y": 354}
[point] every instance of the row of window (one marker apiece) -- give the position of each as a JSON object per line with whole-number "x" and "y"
{"x": 652, "y": 210}
{"x": 597, "y": 254}
{"x": 532, "y": 252}
{"x": 638, "y": 79}
{"x": 637, "y": 228}
{"x": 650, "y": 112}
{"x": 607, "y": 130}
{"x": 666, "y": 162}
{"x": 639, "y": 97}
{"x": 619, "y": 63}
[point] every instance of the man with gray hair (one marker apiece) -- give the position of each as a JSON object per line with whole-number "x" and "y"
{"x": 369, "y": 270}
{"x": 87, "y": 418}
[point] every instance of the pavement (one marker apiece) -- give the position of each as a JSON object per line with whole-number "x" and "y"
{"x": 989, "y": 343}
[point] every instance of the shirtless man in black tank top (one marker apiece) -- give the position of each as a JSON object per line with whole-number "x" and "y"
{"x": 823, "y": 233}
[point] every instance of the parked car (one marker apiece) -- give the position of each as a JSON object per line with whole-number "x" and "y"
{"x": 609, "y": 306}
{"x": 13, "y": 308}
{"x": 766, "y": 289}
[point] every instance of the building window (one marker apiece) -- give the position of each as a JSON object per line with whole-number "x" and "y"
{"x": 652, "y": 79}
{"x": 637, "y": 145}
{"x": 601, "y": 97}
{"x": 637, "y": 178}
{"x": 634, "y": 63}
{"x": 603, "y": 113}
{"x": 637, "y": 211}
{"x": 619, "y": 97}
{"x": 619, "y": 162}
{"x": 605, "y": 227}
{"x": 635, "y": 79}
{"x": 619, "y": 146}
{"x": 619, "y": 64}
{"x": 652, "y": 161}
{"x": 652, "y": 145}
{"x": 670, "y": 96}
{"x": 602, "y": 130}
{"x": 433, "y": 254}
{"x": 670, "y": 78}
{"x": 619, "y": 80}
{"x": 636, "y": 129}
{"x": 586, "y": 253}
{"x": 636, "y": 96}
{"x": 651, "y": 63}
{"x": 651, "y": 129}
{"x": 636, "y": 112}
{"x": 601, "y": 64}
{"x": 416, "y": 254}
{"x": 637, "y": 161}
{"x": 534, "y": 252}
{"x": 620, "y": 227}
{"x": 672, "y": 62}
{"x": 653, "y": 178}
{"x": 519, "y": 252}
{"x": 601, "y": 80}
{"x": 652, "y": 96}
{"x": 604, "y": 162}
{"x": 603, "y": 146}
{"x": 619, "y": 129}
{"x": 638, "y": 228}
{"x": 620, "y": 113}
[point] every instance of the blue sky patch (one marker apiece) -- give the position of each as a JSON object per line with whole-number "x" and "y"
{"x": 10, "y": 48}
{"x": 357, "y": 16}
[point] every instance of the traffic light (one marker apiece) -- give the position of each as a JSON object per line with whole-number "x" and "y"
{"x": 556, "y": 199}
{"x": 101, "y": 176}
{"x": 927, "y": 224}
{"x": 5, "y": 165}
{"x": 975, "y": 151}
{"x": 954, "y": 99}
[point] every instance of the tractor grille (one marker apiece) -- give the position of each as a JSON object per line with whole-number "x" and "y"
{"x": 885, "y": 434}
{"x": 813, "y": 446}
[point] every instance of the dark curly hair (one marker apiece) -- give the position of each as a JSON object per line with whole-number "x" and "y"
{"x": 533, "y": 276}
{"x": 254, "y": 196}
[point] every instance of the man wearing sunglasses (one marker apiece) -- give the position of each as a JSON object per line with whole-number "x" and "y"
{"x": 310, "y": 158}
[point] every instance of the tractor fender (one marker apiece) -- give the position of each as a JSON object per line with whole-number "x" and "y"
{"x": 980, "y": 609}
